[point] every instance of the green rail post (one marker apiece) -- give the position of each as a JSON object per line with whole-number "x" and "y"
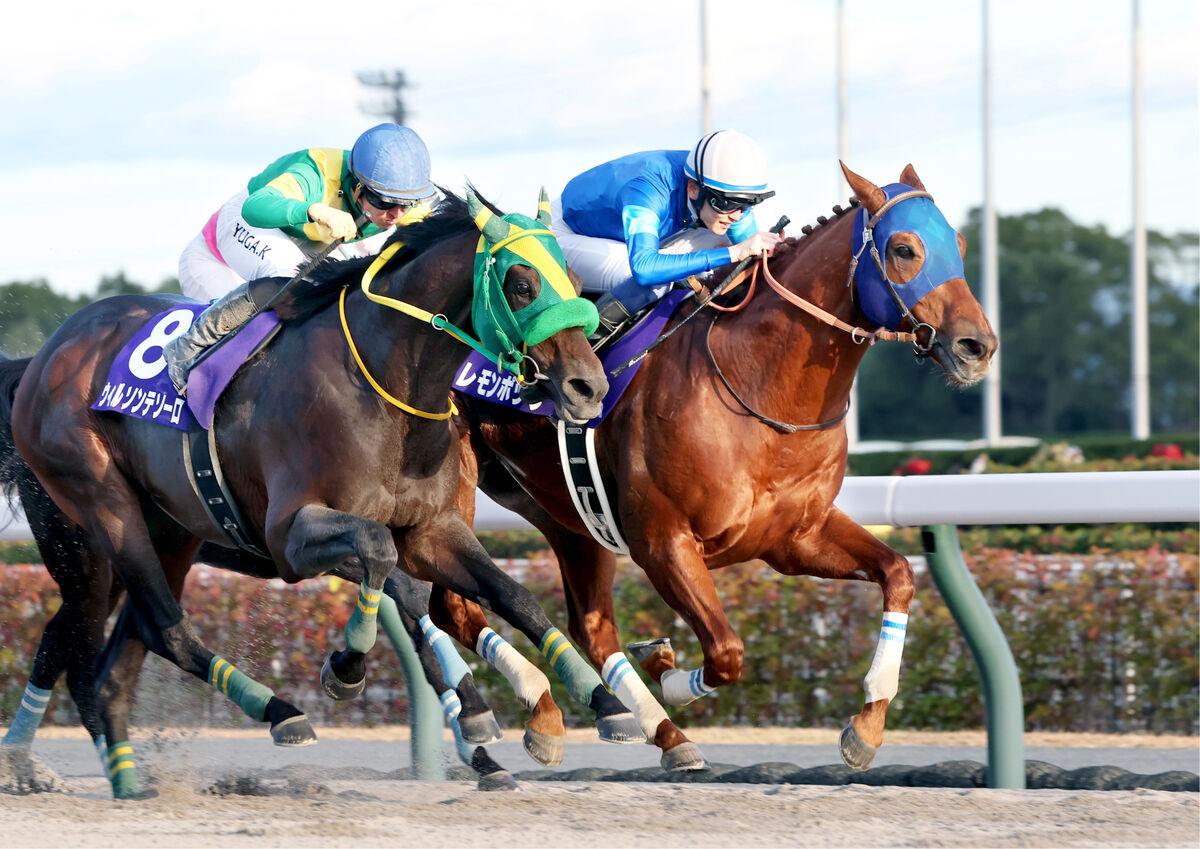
{"x": 424, "y": 708}
{"x": 1004, "y": 711}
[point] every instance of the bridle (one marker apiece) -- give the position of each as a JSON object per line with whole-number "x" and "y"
{"x": 868, "y": 236}
{"x": 857, "y": 334}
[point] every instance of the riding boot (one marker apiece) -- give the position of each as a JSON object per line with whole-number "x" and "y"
{"x": 613, "y": 317}
{"x": 223, "y": 315}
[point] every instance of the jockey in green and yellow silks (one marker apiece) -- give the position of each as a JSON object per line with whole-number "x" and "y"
{"x": 291, "y": 212}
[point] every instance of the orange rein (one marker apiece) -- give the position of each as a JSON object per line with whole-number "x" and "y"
{"x": 856, "y": 333}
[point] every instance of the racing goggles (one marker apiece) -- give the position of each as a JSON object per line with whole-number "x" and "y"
{"x": 725, "y": 204}
{"x": 385, "y": 204}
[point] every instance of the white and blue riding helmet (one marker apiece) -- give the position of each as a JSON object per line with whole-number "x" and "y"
{"x": 729, "y": 165}
{"x": 393, "y": 162}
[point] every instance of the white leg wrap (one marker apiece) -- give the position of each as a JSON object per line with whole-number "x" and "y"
{"x": 681, "y": 687}
{"x": 623, "y": 680}
{"x": 527, "y": 681}
{"x": 883, "y": 678}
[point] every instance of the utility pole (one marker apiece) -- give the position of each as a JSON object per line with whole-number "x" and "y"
{"x": 390, "y": 103}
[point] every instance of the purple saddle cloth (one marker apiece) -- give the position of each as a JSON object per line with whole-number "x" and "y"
{"x": 480, "y": 378}
{"x": 138, "y": 384}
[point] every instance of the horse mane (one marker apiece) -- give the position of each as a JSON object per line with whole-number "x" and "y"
{"x": 795, "y": 243}
{"x": 322, "y": 286}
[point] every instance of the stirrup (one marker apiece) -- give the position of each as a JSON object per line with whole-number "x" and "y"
{"x": 614, "y": 317}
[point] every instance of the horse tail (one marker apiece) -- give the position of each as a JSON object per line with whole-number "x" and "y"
{"x": 13, "y": 471}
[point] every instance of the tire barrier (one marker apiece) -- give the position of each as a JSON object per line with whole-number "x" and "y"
{"x": 1039, "y": 775}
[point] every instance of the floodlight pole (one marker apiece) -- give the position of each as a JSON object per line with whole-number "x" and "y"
{"x": 1139, "y": 400}
{"x": 989, "y": 260}
{"x": 844, "y": 189}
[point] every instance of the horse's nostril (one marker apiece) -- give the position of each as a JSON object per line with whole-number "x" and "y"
{"x": 582, "y": 389}
{"x": 970, "y": 348}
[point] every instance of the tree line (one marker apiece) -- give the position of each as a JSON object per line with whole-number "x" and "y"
{"x": 1064, "y": 330}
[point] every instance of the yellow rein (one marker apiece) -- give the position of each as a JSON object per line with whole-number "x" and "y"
{"x": 401, "y": 306}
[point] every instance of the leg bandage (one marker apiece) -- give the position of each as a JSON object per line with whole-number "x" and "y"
{"x": 362, "y": 628}
{"x": 29, "y": 716}
{"x": 883, "y": 678}
{"x": 627, "y": 685}
{"x": 569, "y": 666}
{"x": 527, "y": 681}
{"x": 681, "y": 687}
{"x": 454, "y": 668}
{"x": 452, "y": 707}
{"x": 243, "y": 690}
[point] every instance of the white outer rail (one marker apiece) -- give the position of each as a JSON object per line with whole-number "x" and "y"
{"x": 1018, "y": 499}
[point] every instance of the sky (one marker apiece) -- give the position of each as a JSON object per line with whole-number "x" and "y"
{"x": 126, "y": 125}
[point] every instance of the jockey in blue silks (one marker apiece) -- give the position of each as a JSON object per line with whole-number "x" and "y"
{"x": 633, "y": 226}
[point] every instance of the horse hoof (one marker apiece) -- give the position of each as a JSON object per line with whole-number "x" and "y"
{"x": 479, "y": 729}
{"x": 685, "y": 757}
{"x": 620, "y": 728}
{"x": 338, "y": 690}
{"x": 501, "y": 780}
{"x": 857, "y": 753}
{"x": 293, "y": 732}
{"x": 645, "y": 649}
{"x": 546, "y": 750}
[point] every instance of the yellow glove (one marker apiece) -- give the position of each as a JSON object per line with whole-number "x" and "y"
{"x": 332, "y": 223}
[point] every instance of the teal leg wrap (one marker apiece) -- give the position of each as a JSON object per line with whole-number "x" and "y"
{"x": 28, "y": 718}
{"x": 454, "y": 668}
{"x": 242, "y": 690}
{"x": 569, "y": 666}
{"x": 122, "y": 773}
{"x": 362, "y": 628}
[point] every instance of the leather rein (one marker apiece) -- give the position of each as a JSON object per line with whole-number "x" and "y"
{"x": 857, "y": 334}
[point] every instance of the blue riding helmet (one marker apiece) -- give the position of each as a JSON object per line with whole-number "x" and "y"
{"x": 393, "y": 162}
{"x": 943, "y": 262}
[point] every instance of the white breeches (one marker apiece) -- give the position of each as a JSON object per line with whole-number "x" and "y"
{"x": 250, "y": 253}
{"x": 604, "y": 263}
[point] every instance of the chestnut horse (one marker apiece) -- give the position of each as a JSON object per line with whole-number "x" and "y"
{"x": 338, "y": 447}
{"x": 728, "y": 446}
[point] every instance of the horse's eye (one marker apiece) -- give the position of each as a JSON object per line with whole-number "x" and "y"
{"x": 523, "y": 289}
{"x": 904, "y": 252}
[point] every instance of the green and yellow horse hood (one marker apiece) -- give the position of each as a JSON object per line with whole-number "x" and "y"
{"x": 516, "y": 239}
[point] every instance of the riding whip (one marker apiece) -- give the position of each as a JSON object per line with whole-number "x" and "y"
{"x": 720, "y": 290}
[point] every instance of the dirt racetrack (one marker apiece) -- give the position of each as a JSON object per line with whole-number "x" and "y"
{"x": 322, "y": 806}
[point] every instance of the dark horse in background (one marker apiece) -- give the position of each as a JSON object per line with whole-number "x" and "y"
{"x": 329, "y": 470}
{"x": 728, "y": 446}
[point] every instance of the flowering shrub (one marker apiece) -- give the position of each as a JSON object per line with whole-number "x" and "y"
{"x": 1103, "y": 642}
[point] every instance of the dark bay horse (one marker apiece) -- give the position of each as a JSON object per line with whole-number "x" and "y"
{"x": 728, "y": 446}
{"x": 337, "y": 447}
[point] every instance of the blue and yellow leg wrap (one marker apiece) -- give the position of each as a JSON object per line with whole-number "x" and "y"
{"x": 362, "y": 628}
{"x": 241, "y": 689}
{"x": 569, "y": 666}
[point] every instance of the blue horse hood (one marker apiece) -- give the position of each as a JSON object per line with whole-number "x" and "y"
{"x": 942, "y": 260}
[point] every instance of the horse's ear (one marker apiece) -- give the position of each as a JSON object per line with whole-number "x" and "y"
{"x": 962, "y": 245}
{"x": 543, "y": 215}
{"x": 495, "y": 229}
{"x": 909, "y": 178}
{"x": 869, "y": 195}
